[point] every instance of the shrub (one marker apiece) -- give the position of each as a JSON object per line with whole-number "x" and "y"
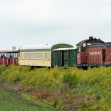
{"x": 70, "y": 79}
{"x": 14, "y": 74}
{"x": 2, "y": 68}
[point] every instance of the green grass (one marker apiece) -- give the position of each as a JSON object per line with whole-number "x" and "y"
{"x": 94, "y": 83}
{"x": 13, "y": 102}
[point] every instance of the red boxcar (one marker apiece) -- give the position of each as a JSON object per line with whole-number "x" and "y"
{"x": 9, "y": 57}
{"x": 93, "y": 52}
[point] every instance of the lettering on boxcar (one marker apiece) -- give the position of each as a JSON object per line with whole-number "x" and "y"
{"x": 95, "y": 53}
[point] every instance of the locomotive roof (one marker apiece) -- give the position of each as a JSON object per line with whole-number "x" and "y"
{"x": 99, "y": 45}
{"x": 81, "y": 42}
{"x": 89, "y": 40}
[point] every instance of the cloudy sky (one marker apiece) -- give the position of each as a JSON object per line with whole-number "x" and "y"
{"x": 24, "y": 22}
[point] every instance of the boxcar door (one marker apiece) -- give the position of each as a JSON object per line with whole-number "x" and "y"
{"x": 103, "y": 55}
{"x": 72, "y": 57}
{"x": 56, "y": 58}
{"x": 66, "y": 58}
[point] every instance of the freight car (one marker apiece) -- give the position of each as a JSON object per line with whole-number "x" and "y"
{"x": 64, "y": 57}
{"x": 9, "y": 57}
{"x": 93, "y": 52}
{"x": 39, "y": 55}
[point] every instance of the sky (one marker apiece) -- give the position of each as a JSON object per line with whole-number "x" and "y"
{"x": 27, "y": 22}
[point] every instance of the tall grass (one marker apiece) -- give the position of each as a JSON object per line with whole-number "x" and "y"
{"x": 93, "y": 82}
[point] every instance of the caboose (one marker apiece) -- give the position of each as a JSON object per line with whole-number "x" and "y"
{"x": 93, "y": 52}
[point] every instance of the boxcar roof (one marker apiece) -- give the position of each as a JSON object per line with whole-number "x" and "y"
{"x": 64, "y": 49}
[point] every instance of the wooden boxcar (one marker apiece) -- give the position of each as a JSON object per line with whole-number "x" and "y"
{"x": 64, "y": 57}
{"x": 39, "y": 55}
{"x": 9, "y": 57}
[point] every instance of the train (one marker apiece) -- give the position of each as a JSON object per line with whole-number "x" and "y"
{"x": 8, "y": 57}
{"x": 91, "y": 52}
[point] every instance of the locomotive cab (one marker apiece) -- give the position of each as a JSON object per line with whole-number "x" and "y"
{"x": 82, "y": 54}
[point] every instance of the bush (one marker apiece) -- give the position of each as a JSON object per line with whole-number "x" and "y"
{"x": 43, "y": 78}
{"x": 2, "y": 68}
{"x": 70, "y": 79}
{"x": 14, "y": 74}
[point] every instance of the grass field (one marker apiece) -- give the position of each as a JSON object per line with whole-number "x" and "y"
{"x": 13, "y": 102}
{"x": 66, "y": 89}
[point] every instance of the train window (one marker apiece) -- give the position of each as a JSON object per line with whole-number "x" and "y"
{"x": 99, "y": 43}
{"x": 84, "y": 45}
{"x": 12, "y": 55}
{"x": 38, "y": 55}
{"x": 65, "y": 52}
{"x": 8, "y": 55}
{"x": 33, "y": 55}
{"x": 15, "y": 55}
{"x": 47, "y": 56}
{"x": 78, "y": 49}
{"x": 88, "y": 43}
